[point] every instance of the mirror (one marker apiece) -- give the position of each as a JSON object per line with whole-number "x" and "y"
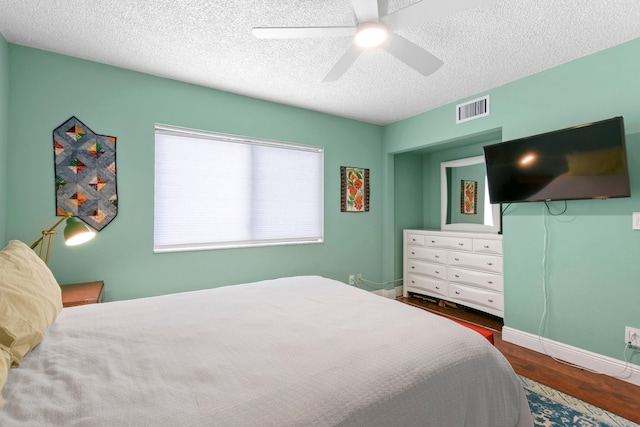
{"x": 465, "y": 197}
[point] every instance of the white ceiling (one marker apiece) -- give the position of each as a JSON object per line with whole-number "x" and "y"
{"x": 209, "y": 43}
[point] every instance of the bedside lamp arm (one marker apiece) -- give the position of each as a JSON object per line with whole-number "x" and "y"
{"x": 48, "y": 233}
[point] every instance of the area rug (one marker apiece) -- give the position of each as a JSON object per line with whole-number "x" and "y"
{"x": 551, "y": 408}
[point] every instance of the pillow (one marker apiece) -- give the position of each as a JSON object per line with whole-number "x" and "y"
{"x": 30, "y": 299}
{"x": 4, "y": 371}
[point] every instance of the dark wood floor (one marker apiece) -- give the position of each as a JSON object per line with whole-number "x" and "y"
{"x": 611, "y": 394}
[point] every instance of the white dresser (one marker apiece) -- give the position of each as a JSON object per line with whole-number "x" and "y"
{"x": 461, "y": 267}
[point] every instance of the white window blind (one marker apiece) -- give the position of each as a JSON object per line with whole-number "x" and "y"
{"x": 219, "y": 191}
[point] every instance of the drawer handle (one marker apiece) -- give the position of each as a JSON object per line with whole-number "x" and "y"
{"x": 413, "y": 253}
{"x": 457, "y": 275}
{"x": 438, "y": 287}
{"x": 460, "y": 244}
{"x": 437, "y": 272}
{"x": 413, "y": 266}
{"x": 486, "y": 246}
{"x": 490, "y": 282}
{"x": 457, "y": 259}
{"x": 457, "y": 293}
{"x": 413, "y": 240}
{"x": 413, "y": 281}
{"x": 437, "y": 256}
{"x": 433, "y": 241}
{"x": 489, "y": 263}
{"x": 490, "y": 300}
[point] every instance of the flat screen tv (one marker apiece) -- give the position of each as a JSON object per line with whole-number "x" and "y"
{"x": 582, "y": 162}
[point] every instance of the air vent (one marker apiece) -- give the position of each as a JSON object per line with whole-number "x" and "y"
{"x": 472, "y": 110}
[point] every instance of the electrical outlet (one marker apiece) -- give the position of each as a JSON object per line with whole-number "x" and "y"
{"x": 359, "y": 278}
{"x": 635, "y": 224}
{"x": 352, "y": 279}
{"x": 632, "y": 336}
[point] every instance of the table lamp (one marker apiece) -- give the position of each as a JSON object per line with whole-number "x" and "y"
{"x": 75, "y": 233}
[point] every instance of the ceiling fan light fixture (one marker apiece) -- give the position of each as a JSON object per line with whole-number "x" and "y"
{"x": 371, "y": 34}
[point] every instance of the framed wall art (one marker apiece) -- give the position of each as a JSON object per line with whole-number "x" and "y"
{"x": 354, "y": 189}
{"x": 468, "y": 197}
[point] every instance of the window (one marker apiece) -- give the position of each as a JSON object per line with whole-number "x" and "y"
{"x": 220, "y": 191}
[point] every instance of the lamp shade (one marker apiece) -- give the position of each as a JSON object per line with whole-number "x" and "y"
{"x": 76, "y": 232}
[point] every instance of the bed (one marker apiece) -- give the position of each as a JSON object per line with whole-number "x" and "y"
{"x": 294, "y": 351}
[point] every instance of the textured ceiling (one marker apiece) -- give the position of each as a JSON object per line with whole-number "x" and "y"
{"x": 209, "y": 43}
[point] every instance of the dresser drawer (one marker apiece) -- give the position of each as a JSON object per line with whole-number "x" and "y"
{"x": 481, "y": 297}
{"x": 463, "y": 267}
{"x": 415, "y": 239}
{"x": 421, "y": 284}
{"x": 428, "y": 269}
{"x": 489, "y": 281}
{"x": 428, "y": 254}
{"x": 457, "y": 243}
{"x": 487, "y": 246}
{"x": 475, "y": 261}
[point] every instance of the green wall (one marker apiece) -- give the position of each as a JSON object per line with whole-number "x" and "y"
{"x": 46, "y": 89}
{"x": 591, "y": 275}
{"x": 416, "y": 183}
{"x": 409, "y": 197}
{"x": 4, "y": 132}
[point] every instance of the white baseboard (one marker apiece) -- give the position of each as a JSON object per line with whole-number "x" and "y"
{"x": 574, "y": 355}
{"x": 390, "y": 293}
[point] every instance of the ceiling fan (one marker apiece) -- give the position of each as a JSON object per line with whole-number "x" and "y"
{"x": 375, "y": 28}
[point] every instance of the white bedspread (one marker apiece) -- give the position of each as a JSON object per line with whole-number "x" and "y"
{"x": 299, "y": 351}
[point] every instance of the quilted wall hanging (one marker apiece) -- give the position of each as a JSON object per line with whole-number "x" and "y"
{"x": 85, "y": 166}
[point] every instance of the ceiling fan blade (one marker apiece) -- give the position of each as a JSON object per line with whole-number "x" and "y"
{"x": 426, "y": 10}
{"x": 365, "y": 10}
{"x": 343, "y": 64}
{"x": 383, "y": 8}
{"x": 302, "y": 32}
{"x": 412, "y": 54}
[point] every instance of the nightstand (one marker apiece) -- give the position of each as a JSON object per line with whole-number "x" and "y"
{"x": 82, "y": 293}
